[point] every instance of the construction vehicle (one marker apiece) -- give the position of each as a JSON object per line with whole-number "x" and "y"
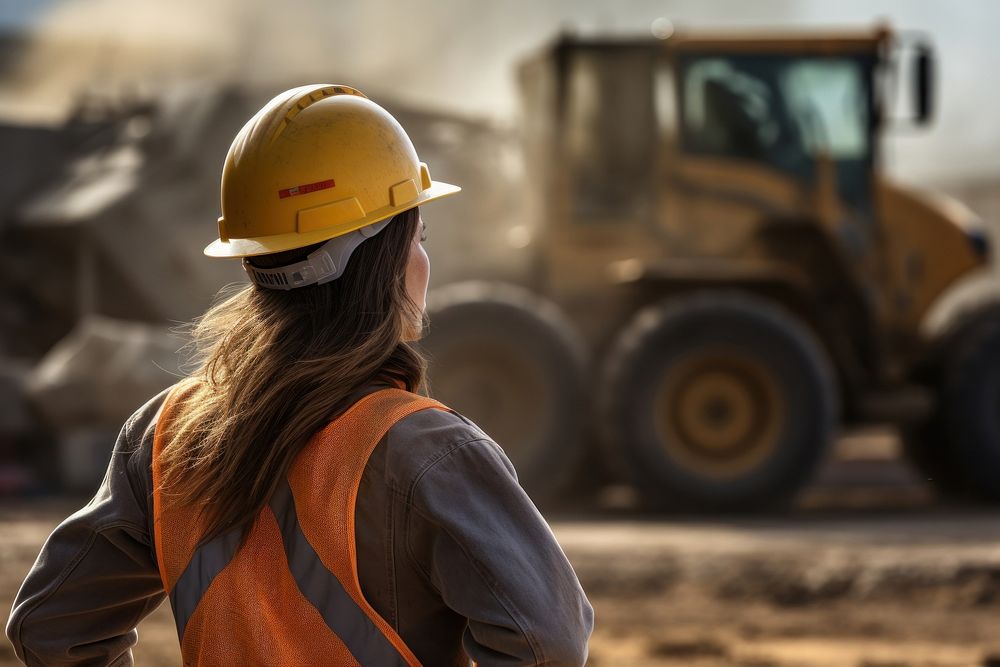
{"x": 722, "y": 276}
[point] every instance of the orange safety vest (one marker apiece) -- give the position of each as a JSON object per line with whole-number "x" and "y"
{"x": 290, "y": 595}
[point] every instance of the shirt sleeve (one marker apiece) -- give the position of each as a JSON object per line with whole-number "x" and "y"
{"x": 486, "y": 549}
{"x": 96, "y": 576}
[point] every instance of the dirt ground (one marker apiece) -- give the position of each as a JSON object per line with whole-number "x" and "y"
{"x": 817, "y": 589}
{"x": 867, "y": 571}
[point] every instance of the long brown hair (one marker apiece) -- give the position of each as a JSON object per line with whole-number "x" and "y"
{"x": 271, "y": 368}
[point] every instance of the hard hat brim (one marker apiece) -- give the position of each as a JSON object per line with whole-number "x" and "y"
{"x": 263, "y": 245}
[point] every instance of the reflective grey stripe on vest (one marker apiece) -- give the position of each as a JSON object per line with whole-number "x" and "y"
{"x": 324, "y": 591}
{"x": 319, "y": 586}
{"x": 208, "y": 561}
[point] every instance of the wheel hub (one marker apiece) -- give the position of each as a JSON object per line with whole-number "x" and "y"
{"x": 719, "y": 412}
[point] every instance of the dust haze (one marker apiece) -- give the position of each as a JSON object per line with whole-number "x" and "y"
{"x": 457, "y": 56}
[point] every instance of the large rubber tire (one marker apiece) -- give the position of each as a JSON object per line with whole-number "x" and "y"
{"x": 509, "y": 360}
{"x": 950, "y": 446}
{"x": 718, "y": 401}
{"x": 970, "y": 411}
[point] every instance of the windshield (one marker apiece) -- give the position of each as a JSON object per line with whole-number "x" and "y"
{"x": 784, "y": 111}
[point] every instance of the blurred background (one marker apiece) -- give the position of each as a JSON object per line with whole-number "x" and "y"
{"x": 721, "y": 282}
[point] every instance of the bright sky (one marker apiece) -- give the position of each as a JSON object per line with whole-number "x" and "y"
{"x": 458, "y": 55}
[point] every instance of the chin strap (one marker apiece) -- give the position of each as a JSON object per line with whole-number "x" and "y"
{"x": 322, "y": 265}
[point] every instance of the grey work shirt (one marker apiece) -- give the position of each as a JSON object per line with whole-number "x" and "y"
{"x": 451, "y": 552}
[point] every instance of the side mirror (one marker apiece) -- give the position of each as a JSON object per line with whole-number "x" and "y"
{"x": 923, "y": 85}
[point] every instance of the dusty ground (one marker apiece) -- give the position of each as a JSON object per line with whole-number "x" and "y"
{"x": 815, "y": 589}
{"x": 867, "y": 572}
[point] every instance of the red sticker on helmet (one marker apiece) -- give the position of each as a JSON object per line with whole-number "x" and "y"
{"x": 305, "y": 189}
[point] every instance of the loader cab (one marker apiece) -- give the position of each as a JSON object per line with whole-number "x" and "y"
{"x": 680, "y": 149}
{"x": 783, "y": 111}
{"x": 623, "y": 113}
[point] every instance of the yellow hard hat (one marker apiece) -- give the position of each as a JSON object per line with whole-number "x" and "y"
{"x": 317, "y": 162}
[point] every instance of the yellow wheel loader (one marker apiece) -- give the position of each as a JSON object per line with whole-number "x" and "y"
{"x": 722, "y": 275}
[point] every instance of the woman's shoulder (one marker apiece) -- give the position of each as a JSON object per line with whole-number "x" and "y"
{"x": 425, "y": 438}
{"x": 435, "y": 428}
{"x": 139, "y": 426}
